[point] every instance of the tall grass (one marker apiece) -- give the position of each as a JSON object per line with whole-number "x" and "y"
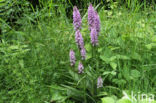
{"x": 34, "y": 62}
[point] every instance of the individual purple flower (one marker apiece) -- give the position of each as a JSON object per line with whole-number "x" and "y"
{"x": 83, "y": 53}
{"x": 76, "y": 19}
{"x": 91, "y": 16}
{"x": 99, "y": 82}
{"x": 72, "y": 57}
{"x": 94, "y": 37}
{"x": 80, "y": 68}
{"x": 97, "y": 22}
{"x": 79, "y": 39}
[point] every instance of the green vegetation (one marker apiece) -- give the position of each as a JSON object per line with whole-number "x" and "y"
{"x": 35, "y": 45}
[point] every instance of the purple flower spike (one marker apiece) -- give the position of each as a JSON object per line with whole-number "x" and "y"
{"x": 99, "y": 82}
{"x": 79, "y": 39}
{"x": 76, "y": 19}
{"x": 97, "y": 22}
{"x": 83, "y": 53}
{"x": 91, "y": 16}
{"x": 72, "y": 57}
{"x": 94, "y": 37}
{"x": 93, "y": 19}
{"x": 80, "y": 68}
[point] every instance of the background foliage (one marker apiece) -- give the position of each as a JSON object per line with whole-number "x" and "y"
{"x": 36, "y": 37}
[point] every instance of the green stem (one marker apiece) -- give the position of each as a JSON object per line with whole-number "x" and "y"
{"x": 85, "y": 100}
{"x": 93, "y": 56}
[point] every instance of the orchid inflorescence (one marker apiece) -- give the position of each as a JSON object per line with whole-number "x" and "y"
{"x": 94, "y": 27}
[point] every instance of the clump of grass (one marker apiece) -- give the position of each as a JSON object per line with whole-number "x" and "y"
{"x": 35, "y": 67}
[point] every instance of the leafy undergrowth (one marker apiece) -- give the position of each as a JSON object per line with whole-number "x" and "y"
{"x": 35, "y": 65}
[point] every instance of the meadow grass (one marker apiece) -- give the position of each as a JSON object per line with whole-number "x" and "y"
{"x": 35, "y": 65}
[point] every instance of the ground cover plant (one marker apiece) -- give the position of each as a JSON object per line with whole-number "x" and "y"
{"x": 89, "y": 55}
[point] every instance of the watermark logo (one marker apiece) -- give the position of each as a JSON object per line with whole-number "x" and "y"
{"x": 139, "y": 97}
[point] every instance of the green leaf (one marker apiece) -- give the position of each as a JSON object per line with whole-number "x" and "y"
{"x": 123, "y": 57}
{"x": 21, "y": 63}
{"x": 149, "y": 46}
{"x": 108, "y": 100}
{"x": 136, "y": 56}
{"x": 135, "y": 74}
{"x": 74, "y": 75}
{"x": 88, "y": 47}
{"x": 113, "y": 65}
{"x": 57, "y": 96}
{"x": 124, "y": 101}
{"x": 109, "y": 72}
{"x": 119, "y": 81}
{"x": 105, "y": 59}
{"x": 99, "y": 50}
{"x": 88, "y": 56}
{"x": 102, "y": 94}
{"x": 106, "y": 55}
{"x": 14, "y": 47}
{"x": 3, "y": 3}
{"x": 114, "y": 48}
{"x": 154, "y": 38}
{"x": 113, "y": 58}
